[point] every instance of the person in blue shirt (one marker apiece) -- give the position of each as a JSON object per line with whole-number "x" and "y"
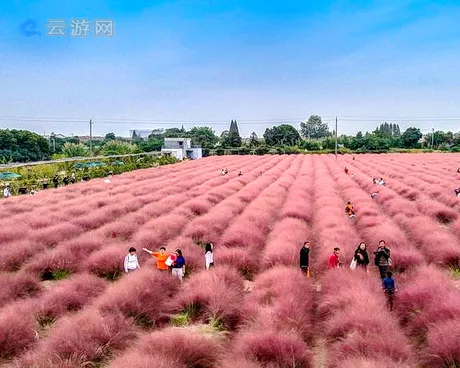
{"x": 389, "y": 287}
{"x": 178, "y": 267}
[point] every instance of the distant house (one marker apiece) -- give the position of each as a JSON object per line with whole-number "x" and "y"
{"x": 144, "y": 133}
{"x": 85, "y": 138}
{"x": 181, "y": 148}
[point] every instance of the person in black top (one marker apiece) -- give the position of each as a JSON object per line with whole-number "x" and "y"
{"x": 66, "y": 180}
{"x": 56, "y": 181}
{"x": 305, "y": 258}
{"x": 382, "y": 258}
{"x": 361, "y": 256}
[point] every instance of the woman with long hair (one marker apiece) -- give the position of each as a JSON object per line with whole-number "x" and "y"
{"x": 361, "y": 256}
{"x": 209, "y": 255}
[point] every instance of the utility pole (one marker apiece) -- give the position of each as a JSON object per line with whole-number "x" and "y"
{"x": 336, "y": 137}
{"x": 432, "y": 138}
{"x": 90, "y": 137}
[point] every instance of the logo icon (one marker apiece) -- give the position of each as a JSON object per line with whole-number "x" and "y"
{"x": 29, "y": 28}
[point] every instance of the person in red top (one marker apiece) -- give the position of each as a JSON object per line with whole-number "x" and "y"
{"x": 334, "y": 260}
{"x": 161, "y": 257}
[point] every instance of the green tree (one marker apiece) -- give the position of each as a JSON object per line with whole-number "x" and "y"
{"x": 22, "y": 146}
{"x": 118, "y": 148}
{"x": 110, "y": 137}
{"x": 410, "y": 138}
{"x": 234, "y": 127}
{"x": 151, "y": 144}
{"x": 175, "y": 133}
{"x": 314, "y": 128}
{"x": 253, "y": 140}
{"x": 282, "y": 135}
{"x": 203, "y": 137}
{"x": 74, "y": 150}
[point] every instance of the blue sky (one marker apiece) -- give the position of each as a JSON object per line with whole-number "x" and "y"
{"x": 210, "y": 61}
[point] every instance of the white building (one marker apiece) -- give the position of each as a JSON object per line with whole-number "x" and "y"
{"x": 181, "y": 148}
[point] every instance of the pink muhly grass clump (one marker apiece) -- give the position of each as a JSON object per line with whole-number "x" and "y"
{"x": 284, "y": 243}
{"x": 273, "y": 348}
{"x": 17, "y": 285}
{"x": 53, "y": 235}
{"x": 373, "y": 345}
{"x": 437, "y": 211}
{"x": 158, "y": 231}
{"x": 419, "y": 305}
{"x": 68, "y": 256}
{"x": 246, "y": 236}
{"x": 88, "y": 337}
{"x": 361, "y": 362}
{"x": 243, "y": 260}
{"x": 437, "y": 244}
{"x": 17, "y": 329}
{"x": 443, "y": 344}
{"x": 69, "y": 296}
{"x": 15, "y": 254}
{"x": 215, "y": 222}
{"x": 13, "y": 231}
{"x": 216, "y": 294}
{"x": 107, "y": 262}
{"x": 174, "y": 348}
{"x": 198, "y": 206}
{"x": 143, "y": 296}
{"x": 282, "y": 300}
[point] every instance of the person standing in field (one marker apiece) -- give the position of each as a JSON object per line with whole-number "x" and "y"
{"x": 6, "y": 191}
{"x": 346, "y": 170}
{"x": 131, "y": 263}
{"x": 350, "y": 210}
{"x": 361, "y": 256}
{"x": 209, "y": 255}
{"x": 178, "y": 266}
{"x": 457, "y": 191}
{"x": 389, "y": 287}
{"x": 382, "y": 258}
{"x": 56, "y": 181}
{"x": 305, "y": 258}
{"x": 161, "y": 258}
{"x": 334, "y": 259}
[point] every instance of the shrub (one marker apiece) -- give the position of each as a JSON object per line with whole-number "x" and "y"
{"x": 278, "y": 293}
{"x": 69, "y": 295}
{"x": 86, "y": 338}
{"x": 175, "y": 347}
{"x": 443, "y": 345}
{"x": 18, "y": 285}
{"x": 212, "y": 295}
{"x": 280, "y": 349}
{"x": 106, "y": 263}
{"x": 17, "y": 329}
{"x": 142, "y": 296}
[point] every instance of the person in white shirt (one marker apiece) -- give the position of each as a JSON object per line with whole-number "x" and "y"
{"x": 209, "y": 255}
{"x": 6, "y": 192}
{"x": 131, "y": 263}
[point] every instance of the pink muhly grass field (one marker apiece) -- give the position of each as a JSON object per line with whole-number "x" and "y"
{"x": 107, "y": 262}
{"x": 284, "y": 243}
{"x": 17, "y": 286}
{"x": 443, "y": 344}
{"x": 273, "y": 348}
{"x": 173, "y": 347}
{"x": 17, "y": 329}
{"x": 80, "y": 339}
{"x": 69, "y": 296}
{"x": 212, "y": 295}
{"x": 142, "y": 296}
{"x": 279, "y": 292}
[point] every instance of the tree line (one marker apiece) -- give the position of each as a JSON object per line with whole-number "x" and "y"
{"x": 313, "y": 135}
